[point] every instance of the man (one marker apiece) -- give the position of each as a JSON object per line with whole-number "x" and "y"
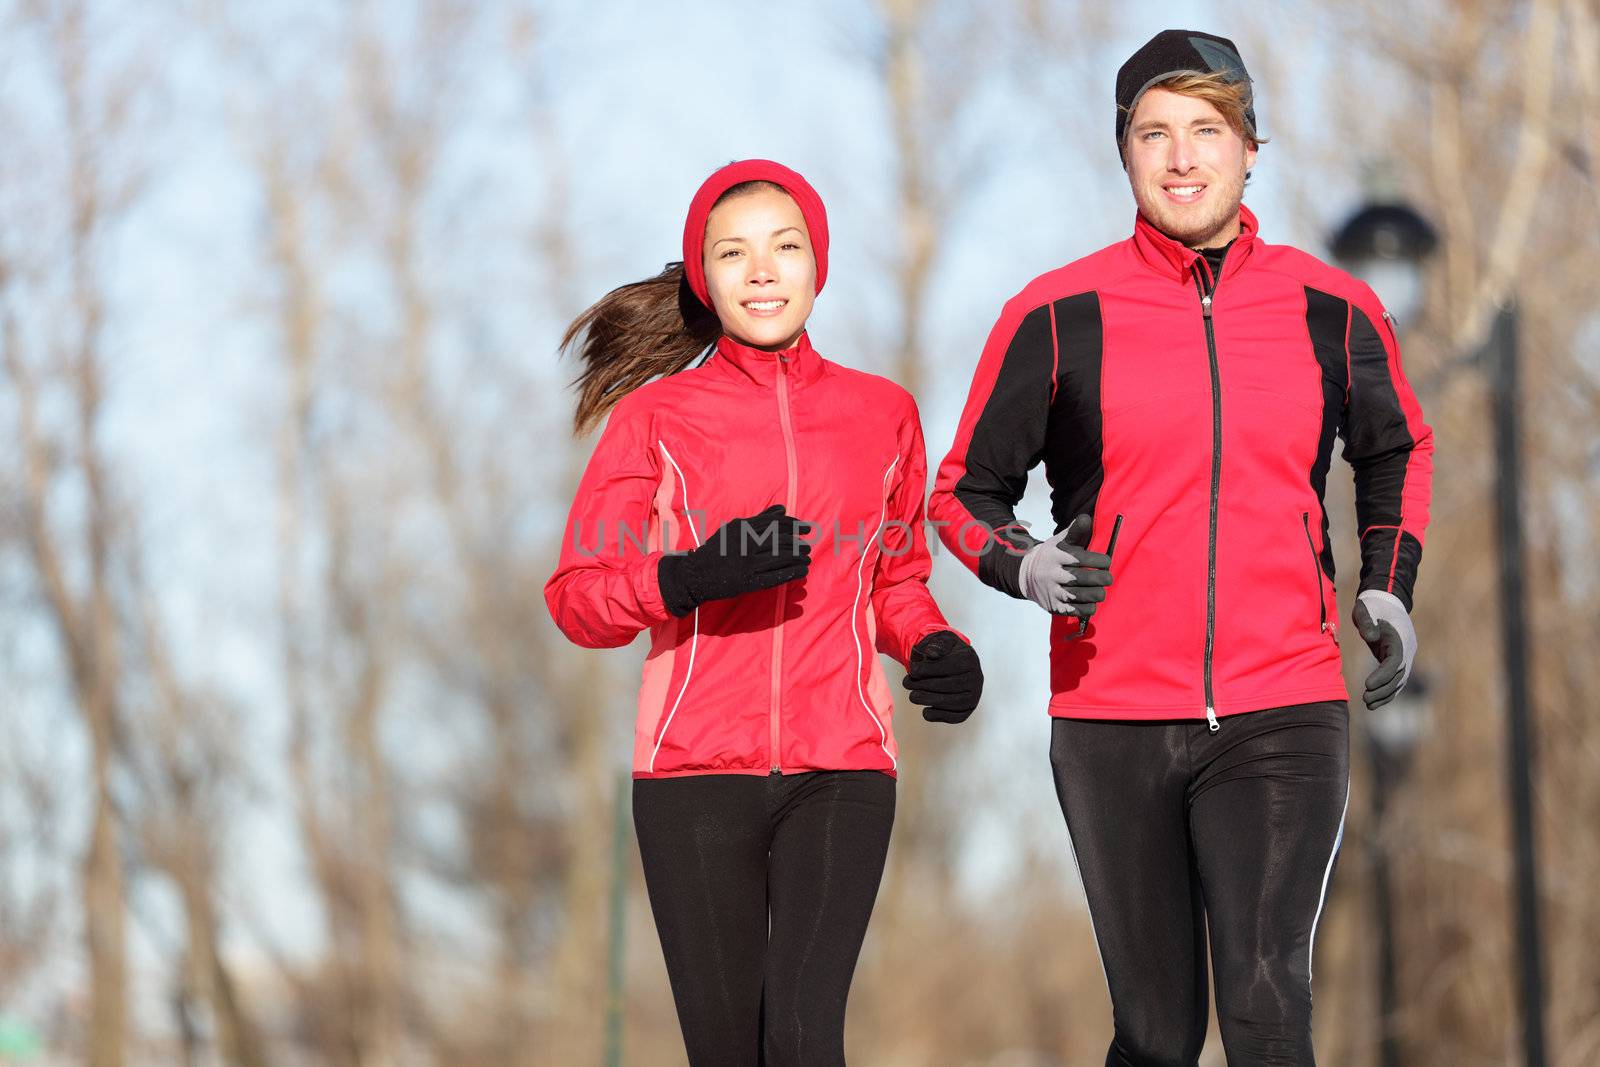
{"x": 1183, "y": 389}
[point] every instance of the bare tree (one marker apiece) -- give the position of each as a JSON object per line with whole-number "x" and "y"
{"x": 188, "y": 767}
{"x": 59, "y": 389}
{"x": 530, "y": 782}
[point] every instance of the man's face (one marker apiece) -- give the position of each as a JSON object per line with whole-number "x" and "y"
{"x": 1187, "y": 168}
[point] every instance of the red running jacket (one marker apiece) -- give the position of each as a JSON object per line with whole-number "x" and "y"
{"x": 784, "y": 679}
{"x": 1203, "y": 417}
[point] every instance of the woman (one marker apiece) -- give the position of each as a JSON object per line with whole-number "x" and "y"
{"x": 762, "y": 515}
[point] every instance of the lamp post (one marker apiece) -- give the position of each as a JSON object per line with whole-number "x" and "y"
{"x": 1501, "y": 353}
{"x": 1385, "y": 243}
{"x": 1392, "y": 732}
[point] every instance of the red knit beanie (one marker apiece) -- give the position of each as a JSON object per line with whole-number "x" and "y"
{"x": 750, "y": 170}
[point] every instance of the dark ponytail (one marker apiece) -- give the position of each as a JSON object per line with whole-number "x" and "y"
{"x": 632, "y": 334}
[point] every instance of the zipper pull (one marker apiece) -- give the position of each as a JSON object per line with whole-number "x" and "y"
{"x": 1205, "y": 305}
{"x": 1211, "y": 719}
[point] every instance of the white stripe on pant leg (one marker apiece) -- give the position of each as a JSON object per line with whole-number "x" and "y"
{"x": 694, "y": 639}
{"x": 1327, "y": 872}
{"x": 1073, "y": 850}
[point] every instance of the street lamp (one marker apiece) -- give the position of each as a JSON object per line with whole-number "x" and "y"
{"x": 1385, "y": 243}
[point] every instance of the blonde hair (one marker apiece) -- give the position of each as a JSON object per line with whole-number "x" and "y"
{"x": 1230, "y": 97}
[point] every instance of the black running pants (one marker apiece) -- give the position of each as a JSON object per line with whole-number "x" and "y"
{"x": 761, "y": 887}
{"x": 1179, "y": 832}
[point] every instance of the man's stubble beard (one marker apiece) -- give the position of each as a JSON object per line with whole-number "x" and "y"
{"x": 1201, "y": 233}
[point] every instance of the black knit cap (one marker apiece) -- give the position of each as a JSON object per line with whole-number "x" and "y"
{"x": 1173, "y": 52}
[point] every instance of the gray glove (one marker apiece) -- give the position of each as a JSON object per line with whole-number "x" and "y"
{"x": 1385, "y": 625}
{"x": 1062, "y": 576}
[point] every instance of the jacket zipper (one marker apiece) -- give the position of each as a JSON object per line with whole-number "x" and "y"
{"x": 1322, "y": 606}
{"x": 783, "y": 590}
{"x": 1216, "y": 488}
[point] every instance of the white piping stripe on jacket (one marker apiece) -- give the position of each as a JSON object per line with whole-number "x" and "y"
{"x": 695, "y": 639}
{"x": 1327, "y": 873}
{"x": 883, "y": 736}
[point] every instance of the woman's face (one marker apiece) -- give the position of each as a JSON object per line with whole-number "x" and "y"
{"x": 760, "y": 269}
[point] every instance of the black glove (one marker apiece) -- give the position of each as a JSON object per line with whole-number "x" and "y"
{"x": 945, "y": 676}
{"x": 744, "y": 555}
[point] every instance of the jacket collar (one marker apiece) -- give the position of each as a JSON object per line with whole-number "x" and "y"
{"x": 801, "y": 362}
{"x": 1175, "y": 260}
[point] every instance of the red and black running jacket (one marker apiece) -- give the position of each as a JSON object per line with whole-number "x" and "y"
{"x": 1202, "y": 414}
{"x": 783, "y": 679}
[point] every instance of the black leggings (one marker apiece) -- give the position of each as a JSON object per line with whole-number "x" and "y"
{"x": 761, "y": 888}
{"x": 1176, "y": 831}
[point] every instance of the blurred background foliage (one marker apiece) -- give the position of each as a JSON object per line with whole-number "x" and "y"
{"x": 297, "y": 770}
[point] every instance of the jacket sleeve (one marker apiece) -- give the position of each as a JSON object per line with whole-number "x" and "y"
{"x": 999, "y": 439}
{"x": 1390, "y": 447}
{"x": 605, "y": 589}
{"x": 901, "y": 603}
